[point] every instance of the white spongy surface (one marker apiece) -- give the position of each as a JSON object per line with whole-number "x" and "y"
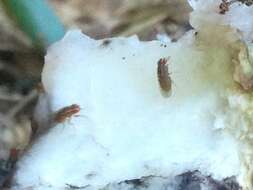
{"x": 126, "y": 128}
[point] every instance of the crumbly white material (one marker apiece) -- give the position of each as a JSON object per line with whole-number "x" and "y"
{"x": 126, "y": 129}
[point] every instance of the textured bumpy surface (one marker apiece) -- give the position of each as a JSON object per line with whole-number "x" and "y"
{"x": 127, "y": 131}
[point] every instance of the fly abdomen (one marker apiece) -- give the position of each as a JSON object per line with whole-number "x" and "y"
{"x": 164, "y": 77}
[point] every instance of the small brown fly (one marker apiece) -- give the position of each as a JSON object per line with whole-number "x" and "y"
{"x": 164, "y": 77}
{"x": 66, "y": 113}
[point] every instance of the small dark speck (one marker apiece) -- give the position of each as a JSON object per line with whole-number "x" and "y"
{"x": 123, "y": 58}
{"x": 196, "y": 33}
{"x": 133, "y": 54}
{"x": 136, "y": 183}
{"x": 90, "y": 175}
{"x": 69, "y": 186}
{"x": 106, "y": 42}
{"x": 163, "y": 45}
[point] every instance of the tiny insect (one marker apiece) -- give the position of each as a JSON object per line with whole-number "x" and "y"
{"x": 66, "y": 113}
{"x": 164, "y": 77}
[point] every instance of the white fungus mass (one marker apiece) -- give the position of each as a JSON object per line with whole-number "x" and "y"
{"x": 126, "y": 128}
